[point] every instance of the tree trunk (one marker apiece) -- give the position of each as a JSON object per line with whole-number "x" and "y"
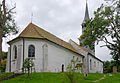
{"x": 1, "y": 31}
{"x": 31, "y": 72}
{"x": 28, "y": 72}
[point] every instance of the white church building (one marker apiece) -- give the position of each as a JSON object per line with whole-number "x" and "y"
{"x": 49, "y": 53}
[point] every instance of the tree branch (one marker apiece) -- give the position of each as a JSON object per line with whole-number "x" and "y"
{"x": 11, "y": 10}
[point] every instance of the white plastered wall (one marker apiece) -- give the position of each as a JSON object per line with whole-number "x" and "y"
{"x": 57, "y": 55}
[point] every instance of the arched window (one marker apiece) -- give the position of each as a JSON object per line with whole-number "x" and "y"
{"x": 31, "y": 51}
{"x": 15, "y": 52}
{"x": 90, "y": 64}
{"x": 98, "y": 63}
{"x": 94, "y": 64}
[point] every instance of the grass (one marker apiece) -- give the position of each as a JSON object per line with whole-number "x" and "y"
{"x": 115, "y": 78}
{"x": 62, "y": 78}
{"x": 38, "y": 78}
{"x": 53, "y": 78}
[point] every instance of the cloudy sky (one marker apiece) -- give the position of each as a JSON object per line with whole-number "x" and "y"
{"x": 62, "y": 18}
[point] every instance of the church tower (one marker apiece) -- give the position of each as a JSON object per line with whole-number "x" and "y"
{"x": 86, "y": 17}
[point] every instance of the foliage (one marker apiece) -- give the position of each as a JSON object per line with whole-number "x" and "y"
{"x": 28, "y": 64}
{"x": 4, "y": 55}
{"x": 105, "y": 24}
{"x": 3, "y": 65}
{"x": 108, "y": 66}
{"x": 3, "y": 61}
{"x": 7, "y": 23}
{"x": 74, "y": 66}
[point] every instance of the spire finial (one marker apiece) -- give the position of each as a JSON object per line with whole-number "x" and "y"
{"x": 31, "y": 17}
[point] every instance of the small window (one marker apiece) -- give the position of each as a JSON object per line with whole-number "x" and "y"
{"x": 94, "y": 64}
{"x": 77, "y": 59}
{"x": 31, "y": 51}
{"x": 98, "y": 63}
{"x": 15, "y": 52}
{"x": 73, "y": 57}
{"x": 90, "y": 64}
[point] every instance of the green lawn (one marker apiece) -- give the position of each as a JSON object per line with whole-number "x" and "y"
{"x": 61, "y": 78}
{"x": 115, "y": 78}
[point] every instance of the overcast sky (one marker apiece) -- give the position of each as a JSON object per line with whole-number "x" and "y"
{"x": 62, "y": 18}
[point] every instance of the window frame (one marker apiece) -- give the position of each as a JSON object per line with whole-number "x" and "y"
{"x": 31, "y": 49}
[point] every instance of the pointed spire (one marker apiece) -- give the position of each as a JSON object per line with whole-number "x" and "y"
{"x": 86, "y": 13}
{"x": 31, "y": 17}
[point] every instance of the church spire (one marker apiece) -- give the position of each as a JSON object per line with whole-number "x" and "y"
{"x": 86, "y": 13}
{"x": 86, "y": 17}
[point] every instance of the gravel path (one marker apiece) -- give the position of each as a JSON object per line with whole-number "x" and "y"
{"x": 100, "y": 79}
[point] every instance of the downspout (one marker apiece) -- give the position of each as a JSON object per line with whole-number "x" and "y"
{"x": 23, "y": 48}
{"x": 88, "y": 61}
{"x": 10, "y": 60}
{"x": 23, "y": 54}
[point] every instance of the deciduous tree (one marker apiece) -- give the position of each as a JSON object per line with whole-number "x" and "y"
{"x": 7, "y": 23}
{"x": 105, "y": 24}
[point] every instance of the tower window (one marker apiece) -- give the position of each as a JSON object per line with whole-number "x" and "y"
{"x": 31, "y": 51}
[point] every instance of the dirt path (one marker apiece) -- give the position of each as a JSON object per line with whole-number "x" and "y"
{"x": 10, "y": 77}
{"x": 100, "y": 79}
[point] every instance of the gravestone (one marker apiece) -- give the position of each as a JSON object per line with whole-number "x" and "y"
{"x": 114, "y": 69}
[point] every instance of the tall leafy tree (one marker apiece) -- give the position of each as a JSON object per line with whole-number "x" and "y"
{"x": 7, "y": 23}
{"x": 105, "y": 26}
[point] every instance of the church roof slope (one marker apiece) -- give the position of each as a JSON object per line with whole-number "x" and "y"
{"x": 30, "y": 31}
{"x": 80, "y": 46}
{"x": 33, "y": 31}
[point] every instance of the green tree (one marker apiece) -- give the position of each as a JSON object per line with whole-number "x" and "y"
{"x": 105, "y": 24}
{"x": 28, "y": 64}
{"x": 4, "y": 55}
{"x": 3, "y": 61}
{"x": 3, "y": 65}
{"x": 108, "y": 66}
{"x": 74, "y": 66}
{"x": 7, "y": 23}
